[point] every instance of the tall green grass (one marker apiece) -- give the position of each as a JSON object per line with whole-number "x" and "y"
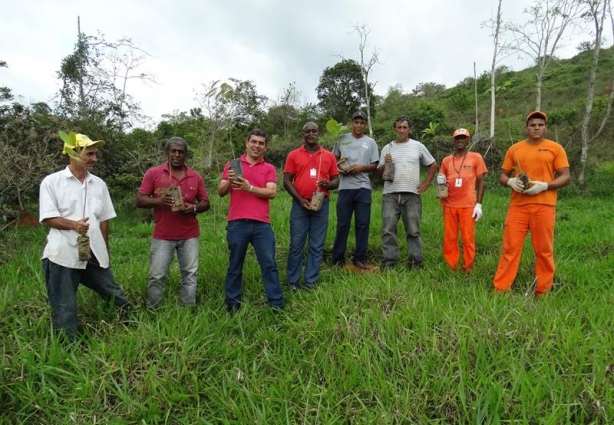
{"x": 427, "y": 346}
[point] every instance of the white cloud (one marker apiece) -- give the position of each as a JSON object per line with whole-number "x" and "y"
{"x": 270, "y": 42}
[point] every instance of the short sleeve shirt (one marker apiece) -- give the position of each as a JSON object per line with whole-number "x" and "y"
{"x": 169, "y": 225}
{"x": 467, "y": 168}
{"x": 308, "y": 168}
{"x": 63, "y": 195}
{"x": 247, "y": 205}
{"x": 407, "y": 158}
{"x": 361, "y": 151}
{"x": 539, "y": 162}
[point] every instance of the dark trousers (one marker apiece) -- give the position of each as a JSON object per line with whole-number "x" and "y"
{"x": 62, "y": 284}
{"x": 357, "y": 202}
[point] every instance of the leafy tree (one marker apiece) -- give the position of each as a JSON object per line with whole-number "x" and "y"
{"x": 341, "y": 90}
{"x": 5, "y": 92}
{"x": 282, "y": 117}
{"x": 229, "y": 109}
{"x": 427, "y": 90}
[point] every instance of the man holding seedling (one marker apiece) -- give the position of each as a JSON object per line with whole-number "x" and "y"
{"x": 359, "y": 155}
{"x": 249, "y": 221}
{"x": 540, "y": 167}
{"x": 462, "y": 173}
{"x": 76, "y": 205}
{"x": 177, "y": 194}
{"x": 402, "y": 195}
{"x": 309, "y": 174}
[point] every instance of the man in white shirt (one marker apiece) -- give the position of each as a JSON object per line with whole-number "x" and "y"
{"x": 402, "y": 196}
{"x": 74, "y": 202}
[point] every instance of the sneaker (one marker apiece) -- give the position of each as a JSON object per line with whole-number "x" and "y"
{"x": 293, "y": 287}
{"x": 309, "y": 286}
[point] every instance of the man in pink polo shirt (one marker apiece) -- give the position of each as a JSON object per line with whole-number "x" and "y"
{"x": 249, "y": 221}
{"x": 175, "y": 225}
{"x": 308, "y": 170}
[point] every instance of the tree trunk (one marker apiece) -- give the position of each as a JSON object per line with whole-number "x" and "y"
{"x": 492, "y": 73}
{"x": 475, "y": 86}
{"x": 586, "y": 138}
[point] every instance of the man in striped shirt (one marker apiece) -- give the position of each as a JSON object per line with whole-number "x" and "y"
{"x": 402, "y": 196}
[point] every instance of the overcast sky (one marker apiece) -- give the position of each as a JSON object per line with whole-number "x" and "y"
{"x": 271, "y": 42}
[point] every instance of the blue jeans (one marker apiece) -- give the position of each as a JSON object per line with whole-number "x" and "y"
{"x": 62, "y": 284}
{"x": 304, "y": 222}
{"x": 407, "y": 206}
{"x": 240, "y": 233}
{"x": 160, "y": 257}
{"x": 357, "y": 202}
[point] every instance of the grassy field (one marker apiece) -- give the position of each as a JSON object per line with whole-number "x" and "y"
{"x": 394, "y": 347}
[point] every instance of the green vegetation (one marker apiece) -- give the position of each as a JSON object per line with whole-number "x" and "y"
{"x": 427, "y": 346}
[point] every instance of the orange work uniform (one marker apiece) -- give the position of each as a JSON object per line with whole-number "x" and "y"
{"x": 530, "y": 213}
{"x": 458, "y": 207}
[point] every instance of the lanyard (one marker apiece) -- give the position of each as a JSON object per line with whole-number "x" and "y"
{"x": 461, "y": 166}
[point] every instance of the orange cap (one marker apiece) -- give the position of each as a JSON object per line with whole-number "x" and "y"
{"x": 461, "y": 132}
{"x": 537, "y": 114}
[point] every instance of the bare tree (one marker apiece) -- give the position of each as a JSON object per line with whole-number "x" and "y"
{"x": 363, "y": 32}
{"x": 288, "y": 105}
{"x": 501, "y": 50}
{"x": 540, "y": 37}
{"x": 95, "y": 78}
{"x": 596, "y": 12}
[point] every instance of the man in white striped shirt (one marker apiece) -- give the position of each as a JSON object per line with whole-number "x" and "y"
{"x": 402, "y": 195}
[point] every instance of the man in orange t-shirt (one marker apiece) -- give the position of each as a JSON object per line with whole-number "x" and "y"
{"x": 463, "y": 172}
{"x": 533, "y": 207}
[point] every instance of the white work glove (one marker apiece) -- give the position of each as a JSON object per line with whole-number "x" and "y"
{"x": 441, "y": 178}
{"x": 538, "y": 187}
{"x": 515, "y": 184}
{"x": 477, "y": 212}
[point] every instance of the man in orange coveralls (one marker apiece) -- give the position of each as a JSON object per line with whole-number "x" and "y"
{"x": 463, "y": 172}
{"x": 533, "y": 207}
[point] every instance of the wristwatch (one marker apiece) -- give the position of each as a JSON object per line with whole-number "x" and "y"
{"x": 195, "y": 209}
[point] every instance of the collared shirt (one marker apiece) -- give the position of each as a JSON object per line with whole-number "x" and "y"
{"x": 308, "y": 168}
{"x": 245, "y": 204}
{"x": 167, "y": 224}
{"x": 63, "y": 195}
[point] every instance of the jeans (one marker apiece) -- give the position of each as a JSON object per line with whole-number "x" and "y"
{"x": 240, "y": 233}
{"x": 407, "y": 206}
{"x": 62, "y": 284}
{"x": 357, "y": 202}
{"x": 304, "y": 222}
{"x": 160, "y": 258}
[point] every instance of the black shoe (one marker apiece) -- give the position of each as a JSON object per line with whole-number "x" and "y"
{"x": 309, "y": 286}
{"x": 415, "y": 266}
{"x": 233, "y": 308}
{"x": 360, "y": 265}
{"x": 293, "y": 287}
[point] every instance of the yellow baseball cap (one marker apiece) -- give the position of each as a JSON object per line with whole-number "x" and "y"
{"x": 83, "y": 141}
